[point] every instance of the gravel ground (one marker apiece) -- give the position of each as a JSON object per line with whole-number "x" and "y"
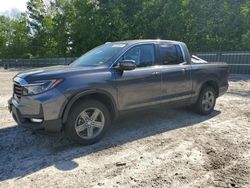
{"x": 162, "y": 148}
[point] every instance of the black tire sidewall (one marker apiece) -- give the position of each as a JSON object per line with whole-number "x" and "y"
{"x": 75, "y": 111}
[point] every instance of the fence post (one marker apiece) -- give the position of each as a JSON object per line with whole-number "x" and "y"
{"x": 5, "y": 66}
{"x": 219, "y": 54}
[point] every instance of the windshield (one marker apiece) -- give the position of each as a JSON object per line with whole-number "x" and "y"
{"x": 99, "y": 55}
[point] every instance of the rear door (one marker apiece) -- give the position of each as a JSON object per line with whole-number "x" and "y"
{"x": 142, "y": 86}
{"x": 176, "y": 73}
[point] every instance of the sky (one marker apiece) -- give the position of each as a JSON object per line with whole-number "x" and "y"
{"x": 11, "y": 6}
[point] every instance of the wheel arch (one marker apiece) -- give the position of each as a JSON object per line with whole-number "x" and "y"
{"x": 100, "y": 95}
{"x": 212, "y": 83}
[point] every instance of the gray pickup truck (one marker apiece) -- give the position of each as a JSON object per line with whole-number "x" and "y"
{"x": 85, "y": 97}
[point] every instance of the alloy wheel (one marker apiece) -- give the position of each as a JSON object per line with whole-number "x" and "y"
{"x": 208, "y": 100}
{"x": 90, "y": 123}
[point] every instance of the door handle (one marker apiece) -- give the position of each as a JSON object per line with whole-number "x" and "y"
{"x": 183, "y": 71}
{"x": 155, "y": 73}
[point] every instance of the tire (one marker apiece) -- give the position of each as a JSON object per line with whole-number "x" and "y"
{"x": 89, "y": 117}
{"x": 206, "y": 101}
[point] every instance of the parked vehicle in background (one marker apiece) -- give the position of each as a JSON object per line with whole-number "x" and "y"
{"x": 84, "y": 98}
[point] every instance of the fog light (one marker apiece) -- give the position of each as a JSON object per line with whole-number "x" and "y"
{"x": 34, "y": 120}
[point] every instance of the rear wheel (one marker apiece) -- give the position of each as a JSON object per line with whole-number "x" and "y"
{"x": 87, "y": 122}
{"x": 206, "y": 101}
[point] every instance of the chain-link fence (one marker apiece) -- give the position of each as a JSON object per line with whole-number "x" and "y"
{"x": 239, "y": 62}
{"x": 41, "y": 62}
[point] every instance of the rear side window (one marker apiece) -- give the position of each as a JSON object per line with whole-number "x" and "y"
{"x": 171, "y": 54}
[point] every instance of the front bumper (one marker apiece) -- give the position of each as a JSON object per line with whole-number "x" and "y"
{"x": 46, "y": 107}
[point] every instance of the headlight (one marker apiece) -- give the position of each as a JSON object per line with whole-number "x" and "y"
{"x": 40, "y": 86}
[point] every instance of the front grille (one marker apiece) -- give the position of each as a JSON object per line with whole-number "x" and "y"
{"x": 18, "y": 89}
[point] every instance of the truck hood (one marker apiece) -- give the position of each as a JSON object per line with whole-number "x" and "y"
{"x": 55, "y": 72}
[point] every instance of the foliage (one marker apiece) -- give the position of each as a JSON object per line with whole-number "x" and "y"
{"x": 56, "y": 28}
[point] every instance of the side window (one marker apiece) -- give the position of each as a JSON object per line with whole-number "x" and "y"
{"x": 143, "y": 55}
{"x": 171, "y": 54}
{"x": 132, "y": 54}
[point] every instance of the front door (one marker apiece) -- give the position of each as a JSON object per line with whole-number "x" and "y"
{"x": 142, "y": 86}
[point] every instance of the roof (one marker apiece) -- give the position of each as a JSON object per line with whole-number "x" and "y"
{"x": 146, "y": 41}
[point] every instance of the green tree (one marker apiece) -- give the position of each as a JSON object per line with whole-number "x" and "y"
{"x": 4, "y": 35}
{"x": 56, "y": 28}
{"x": 14, "y": 37}
{"x": 41, "y": 25}
{"x": 19, "y": 41}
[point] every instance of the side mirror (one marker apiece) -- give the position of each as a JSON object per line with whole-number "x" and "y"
{"x": 126, "y": 65}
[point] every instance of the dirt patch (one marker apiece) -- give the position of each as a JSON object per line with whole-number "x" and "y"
{"x": 161, "y": 148}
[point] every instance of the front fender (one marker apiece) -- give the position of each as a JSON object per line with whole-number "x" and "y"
{"x": 69, "y": 104}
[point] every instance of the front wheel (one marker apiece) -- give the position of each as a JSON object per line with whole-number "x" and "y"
{"x": 87, "y": 122}
{"x": 206, "y": 101}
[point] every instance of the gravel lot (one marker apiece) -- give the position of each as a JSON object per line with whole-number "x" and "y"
{"x": 163, "y": 148}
